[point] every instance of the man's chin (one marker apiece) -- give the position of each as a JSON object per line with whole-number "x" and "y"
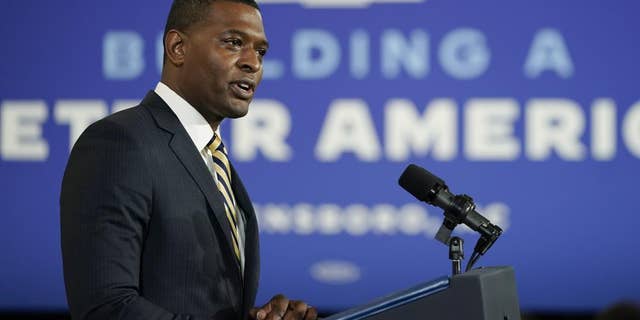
{"x": 239, "y": 111}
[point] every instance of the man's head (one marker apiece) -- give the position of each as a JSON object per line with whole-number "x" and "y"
{"x": 213, "y": 55}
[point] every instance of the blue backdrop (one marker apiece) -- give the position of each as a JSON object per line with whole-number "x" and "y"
{"x": 531, "y": 107}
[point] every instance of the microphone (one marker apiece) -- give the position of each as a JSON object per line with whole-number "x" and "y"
{"x": 458, "y": 209}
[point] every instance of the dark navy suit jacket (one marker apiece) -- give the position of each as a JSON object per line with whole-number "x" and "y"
{"x": 143, "y": 227}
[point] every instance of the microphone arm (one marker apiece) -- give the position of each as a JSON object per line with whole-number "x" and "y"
{"x": 457, "y": 209}
{"x": 460, "y": 209}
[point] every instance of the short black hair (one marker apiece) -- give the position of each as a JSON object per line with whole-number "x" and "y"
{"x": 185, "y": 13}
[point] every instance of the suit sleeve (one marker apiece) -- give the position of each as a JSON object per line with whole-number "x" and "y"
{"x": 105, "y": 208}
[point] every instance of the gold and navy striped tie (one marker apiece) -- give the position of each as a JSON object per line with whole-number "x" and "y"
{"x": 223, "y": 174}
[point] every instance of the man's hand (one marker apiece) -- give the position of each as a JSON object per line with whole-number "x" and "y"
{"x": 281, "y": 308}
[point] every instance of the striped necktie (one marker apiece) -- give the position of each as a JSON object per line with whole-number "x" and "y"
{"x": 223, "y": 181}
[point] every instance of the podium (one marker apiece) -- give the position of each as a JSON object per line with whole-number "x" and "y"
{"x": 480, "y": 294}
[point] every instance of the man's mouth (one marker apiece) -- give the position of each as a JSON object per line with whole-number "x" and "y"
{"x": 243, "y": 89}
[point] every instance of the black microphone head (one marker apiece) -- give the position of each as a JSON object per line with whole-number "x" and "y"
{"x": 419, "y": 182}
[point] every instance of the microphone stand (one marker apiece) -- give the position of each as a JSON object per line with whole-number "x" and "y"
{"x": 456, "y": 254}
{"x": 461, "y": 210}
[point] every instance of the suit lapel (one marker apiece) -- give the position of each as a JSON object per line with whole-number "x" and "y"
{"x": 185, "y": 150}
{"x": 252, "y": 250}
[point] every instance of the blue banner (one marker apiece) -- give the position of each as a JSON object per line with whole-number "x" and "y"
{"x": 530, "y": 107}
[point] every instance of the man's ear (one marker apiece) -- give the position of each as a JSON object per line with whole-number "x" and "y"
{"x": 174, "y": 47}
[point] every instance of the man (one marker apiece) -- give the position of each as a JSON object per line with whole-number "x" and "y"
{"x": 155, "y": 222}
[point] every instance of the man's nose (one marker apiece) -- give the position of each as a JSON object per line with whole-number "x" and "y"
{"x": 250, "y": 61}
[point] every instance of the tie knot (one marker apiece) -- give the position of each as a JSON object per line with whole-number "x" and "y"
{"x": 216, "y": 144}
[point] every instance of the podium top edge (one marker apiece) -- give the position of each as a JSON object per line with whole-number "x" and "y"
{"x": 393, "y": 300}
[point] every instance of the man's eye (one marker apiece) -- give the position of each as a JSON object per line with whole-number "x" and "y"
{"x": 262, "y": 52}
{"x": 234, "y": 42}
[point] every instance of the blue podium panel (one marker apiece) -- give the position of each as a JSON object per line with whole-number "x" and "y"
{"x": 393, "y": 301}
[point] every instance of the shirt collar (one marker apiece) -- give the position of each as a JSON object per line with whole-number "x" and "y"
{"x": 193, "y": 122}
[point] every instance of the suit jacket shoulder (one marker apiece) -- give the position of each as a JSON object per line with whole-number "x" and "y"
{"x": 142, "y": 226}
